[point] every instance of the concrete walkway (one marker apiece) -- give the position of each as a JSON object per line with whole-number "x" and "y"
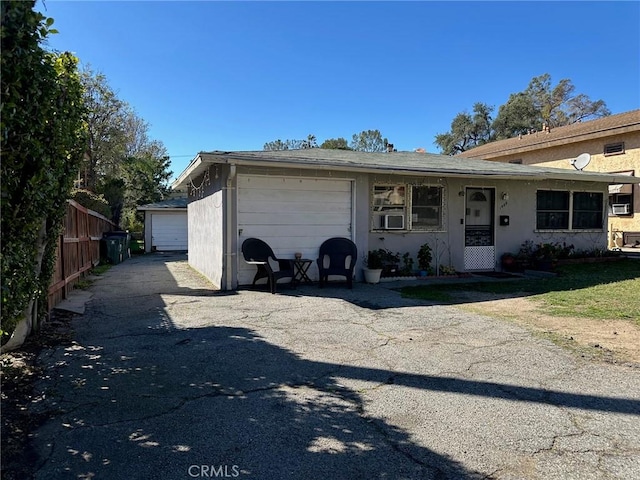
{"x": 168, "y": 379}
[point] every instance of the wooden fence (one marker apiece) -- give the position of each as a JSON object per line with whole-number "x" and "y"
{"x": 78, "y": 249}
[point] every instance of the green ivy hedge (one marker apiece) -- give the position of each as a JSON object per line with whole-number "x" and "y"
{"x": 43, "y": 138}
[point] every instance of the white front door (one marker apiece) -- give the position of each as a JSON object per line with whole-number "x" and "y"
{"x": 479, "y": 229}
{"x": 291, "y": 214}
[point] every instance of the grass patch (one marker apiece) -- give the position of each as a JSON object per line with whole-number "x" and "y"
{"x": 83, "y": 284}
{"x": 595, "y": 352}
{"x": 100, "y": 269}
{"x": 607, "y": 290}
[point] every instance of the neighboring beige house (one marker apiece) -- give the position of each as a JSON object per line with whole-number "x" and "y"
{"x": 612, "y": 145}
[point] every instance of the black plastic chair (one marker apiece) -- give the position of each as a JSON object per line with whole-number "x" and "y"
{"x": 257, "y": 252}
{"x": 337, "y": 257}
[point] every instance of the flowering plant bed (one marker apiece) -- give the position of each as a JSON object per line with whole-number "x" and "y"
{"x": 547, "y": 256}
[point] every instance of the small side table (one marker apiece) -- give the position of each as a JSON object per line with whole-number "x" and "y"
{"x": 300, "y": 268}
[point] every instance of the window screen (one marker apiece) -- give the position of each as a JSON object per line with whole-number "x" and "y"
{"x": 587, "y": 210}
{"x": 426, "y": 207}
{"x": 552, "y": 210}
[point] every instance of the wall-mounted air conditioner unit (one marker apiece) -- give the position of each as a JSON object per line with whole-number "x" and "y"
{"x": 621, "y": 209}
{"x": 394, "y": 221}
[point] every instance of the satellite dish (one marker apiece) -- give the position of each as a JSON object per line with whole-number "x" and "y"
{"x": 580, "y": 162}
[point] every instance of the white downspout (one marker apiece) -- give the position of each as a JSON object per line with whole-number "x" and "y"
{"x": 229, "y": 255}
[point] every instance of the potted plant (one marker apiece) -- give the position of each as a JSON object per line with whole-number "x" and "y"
{"x": 372, "y": 266}
{"x": 508, "y": 261}
{"x": 424, "y": 260}
{"x": 407, "y": 267}
{"x": 390, "y": 262}
{"x": 546, "y": 256}
{"x": 525, "y": 256}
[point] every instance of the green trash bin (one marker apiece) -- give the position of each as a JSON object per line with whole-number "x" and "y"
{"x": 125, "y": 238}
{"x": 113, "y": 249}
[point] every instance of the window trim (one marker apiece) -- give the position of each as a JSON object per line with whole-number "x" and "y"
{"x": 568, "y": 210}
{"x": 376, "y": 216}
{"x": 603, "y": 220}
{"x": 614, "y": 198}
{"x": 570, "y": 227}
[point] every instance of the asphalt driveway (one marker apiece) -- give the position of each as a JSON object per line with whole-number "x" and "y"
{"x": 168, "y": 379}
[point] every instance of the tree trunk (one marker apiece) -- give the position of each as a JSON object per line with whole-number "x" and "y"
{"x": 21, "y": 332}
{"x": 25, "y": 324}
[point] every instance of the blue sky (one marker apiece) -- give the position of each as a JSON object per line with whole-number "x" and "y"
{"x": 210, "y": 75}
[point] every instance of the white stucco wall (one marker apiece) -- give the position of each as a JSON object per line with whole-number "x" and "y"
{"x": 520, "y": 207}
{"x": 207, "y": 219}
{"x": 206, "y": 239}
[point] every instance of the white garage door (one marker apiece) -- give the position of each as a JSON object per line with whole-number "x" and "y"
{"x": 292, "y": 215}
{"x": 169, "y": 231}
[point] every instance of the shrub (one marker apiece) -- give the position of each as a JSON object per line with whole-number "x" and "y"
{"x": 382, "y": 257}
{"x": 447, "y": 270}
{"x": 424, "y": 257}
{"x": 544, "y": 251}
{"x": 373, "y": 260}
{"x": 43, "y": 139}
{"x": 407, "y": 261}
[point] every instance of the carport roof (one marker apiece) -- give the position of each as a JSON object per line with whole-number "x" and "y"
{"x": 413, "y": 163}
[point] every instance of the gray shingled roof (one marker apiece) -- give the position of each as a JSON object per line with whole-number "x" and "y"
{"x": 166, "y": 204}
{"x": 409, "y": 163}
{"x": 577, "y": 132}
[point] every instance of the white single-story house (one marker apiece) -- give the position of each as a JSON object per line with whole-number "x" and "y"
{"x": 165, "y": 225}
{"x": 469, "y": 211}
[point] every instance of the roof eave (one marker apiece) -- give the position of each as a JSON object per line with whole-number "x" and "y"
{"x": 162, "y": 209}
{"x": 191, "y": 170}
{"x": 205, "y": 159}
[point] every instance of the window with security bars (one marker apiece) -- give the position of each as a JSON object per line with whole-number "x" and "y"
{"x": 562, "y": 210}
{"x": 552, "y": 210}
{"x": 587, "y": 210}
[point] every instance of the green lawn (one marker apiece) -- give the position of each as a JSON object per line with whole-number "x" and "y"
{"x": 609, "y": 290}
